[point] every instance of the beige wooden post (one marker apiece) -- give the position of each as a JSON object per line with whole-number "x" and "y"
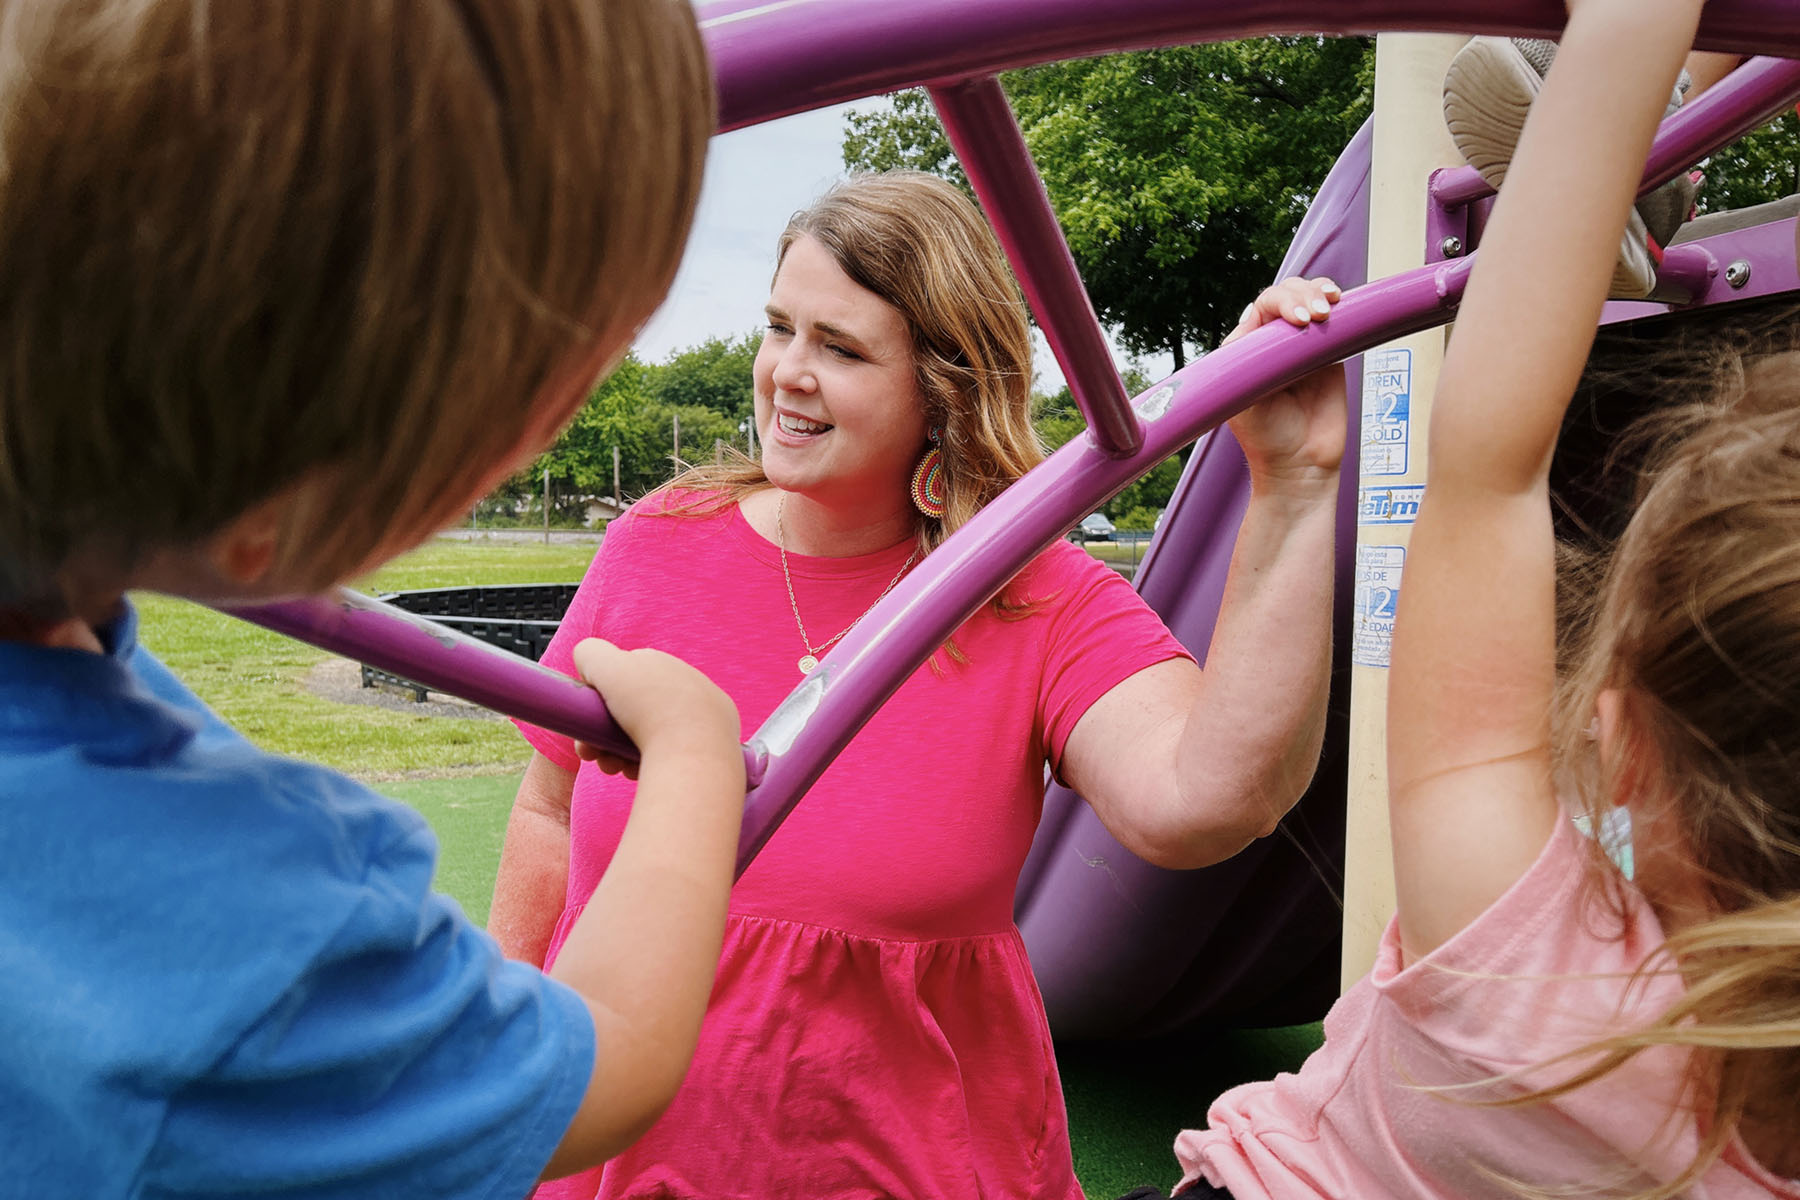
{"x": 1398, "y": 381}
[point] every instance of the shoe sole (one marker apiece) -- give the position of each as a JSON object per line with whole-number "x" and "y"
{"x": 1488, "y": 92}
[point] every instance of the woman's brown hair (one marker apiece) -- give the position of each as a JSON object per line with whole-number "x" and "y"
{"x": 922, "y": 246}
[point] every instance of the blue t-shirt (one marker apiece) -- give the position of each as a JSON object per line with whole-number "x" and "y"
{"x": 224, "y": 973}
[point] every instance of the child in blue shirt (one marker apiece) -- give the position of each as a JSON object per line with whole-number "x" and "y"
{"x": 283, "y": 287}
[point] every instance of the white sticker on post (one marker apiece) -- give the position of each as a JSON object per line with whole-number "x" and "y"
{"x": 1395, "y": 504}
{"x": 1386, "y": 411}
{"x": 1377, "y": 596}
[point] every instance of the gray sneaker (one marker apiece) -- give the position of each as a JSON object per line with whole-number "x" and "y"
{"x": 1488, "y": 92}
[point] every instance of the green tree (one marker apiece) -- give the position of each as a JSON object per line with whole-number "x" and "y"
{"x": 714, "y": 374}
{"x": 1762, "y": 166}
{"x": 1179, "y": 175}
{"x": 621, "y": 412}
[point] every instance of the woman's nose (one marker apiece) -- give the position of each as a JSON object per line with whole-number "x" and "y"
{"x": 793, "y": 370}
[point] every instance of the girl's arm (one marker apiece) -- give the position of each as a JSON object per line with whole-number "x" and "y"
{"x": 1185, "y": 767}
{"x": 530, "y": 889}
{"x": 644, "y": 952}
{"x": 1473, "y": 676}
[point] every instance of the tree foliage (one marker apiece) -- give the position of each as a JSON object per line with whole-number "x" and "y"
{"x": 624, "y": 411}
{"x": 714, "y": 374}
{"x": 1179, "y": 175}
{"x": 1058, "y": 422}
{"x": 1757, "y": 168}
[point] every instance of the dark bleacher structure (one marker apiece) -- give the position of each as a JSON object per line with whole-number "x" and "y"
{"x": 517, "y": 617}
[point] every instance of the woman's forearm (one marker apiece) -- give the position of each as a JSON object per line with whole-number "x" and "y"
{"x": 531, "y": 888}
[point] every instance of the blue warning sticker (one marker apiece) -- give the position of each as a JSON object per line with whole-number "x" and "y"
{"x": 1387, "y": 386}
{"x": 1372, "y": 608}
{"x": 1389, "y": 505}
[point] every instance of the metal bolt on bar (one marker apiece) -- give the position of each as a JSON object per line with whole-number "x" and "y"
{"x": 987, "y": 141}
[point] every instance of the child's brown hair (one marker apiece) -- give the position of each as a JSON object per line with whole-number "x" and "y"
{"x": 1696, "y": 623}
{"x": 364, "y": 252}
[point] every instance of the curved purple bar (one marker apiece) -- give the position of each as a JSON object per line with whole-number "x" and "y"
{"x": 788, "y": 56}
{"x": 774, "y": 58}
{"x": 365, "y": 629}
{"x": 1740, "y": 102}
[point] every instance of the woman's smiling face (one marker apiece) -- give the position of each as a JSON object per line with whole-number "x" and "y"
{"x": 837, "y": 399}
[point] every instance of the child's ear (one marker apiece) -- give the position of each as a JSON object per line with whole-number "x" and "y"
{"x": 1629, "y": 764}
{"x": 244, "y": 550}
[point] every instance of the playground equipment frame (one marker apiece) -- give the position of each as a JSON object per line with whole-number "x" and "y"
{"x": 788, "y": 56}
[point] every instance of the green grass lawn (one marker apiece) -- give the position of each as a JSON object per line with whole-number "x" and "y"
{"x": 1126, "y": 1102}
{"x": 256, "y": 680}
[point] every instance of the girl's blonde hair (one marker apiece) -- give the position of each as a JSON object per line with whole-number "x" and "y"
{"x": 921, "y": 245}
{"x": 1696, "y": 622}
{"x": 374, "y": 247}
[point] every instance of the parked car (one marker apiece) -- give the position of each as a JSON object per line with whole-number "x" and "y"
{"x": 1094, "y": 528}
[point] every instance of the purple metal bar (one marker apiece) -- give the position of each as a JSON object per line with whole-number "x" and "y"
{"x": 1764, "y": 254}
{"x": 1448, "y": 227}
{"x": 987, "y": 141}
{"x": 1734, "y": 106}
{"x": 391, "y": 639}
{"x": 819, "y": 718}
{"x": 1688, "y": 271}
{"x": 778, "y": 57}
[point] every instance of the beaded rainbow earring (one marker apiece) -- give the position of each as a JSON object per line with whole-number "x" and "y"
{"x": 928, "y": 479}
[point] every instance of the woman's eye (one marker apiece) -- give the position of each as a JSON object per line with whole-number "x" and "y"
{"x": 844, "y": 352}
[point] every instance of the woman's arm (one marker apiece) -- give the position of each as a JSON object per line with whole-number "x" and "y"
{"x": 1185, "y": 767}
{"x": 530, "y": 890}
{"x": 1473, "y": 676}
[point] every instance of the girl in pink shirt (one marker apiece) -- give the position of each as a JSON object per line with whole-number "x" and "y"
{"x": 1537, "y": 1024}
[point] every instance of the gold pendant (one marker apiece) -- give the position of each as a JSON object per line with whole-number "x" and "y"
{"x": 807, "y": 663}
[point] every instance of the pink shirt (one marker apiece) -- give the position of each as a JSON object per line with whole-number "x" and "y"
{"x": 875, "y": 1029}
{"x": 1540, "y": 973}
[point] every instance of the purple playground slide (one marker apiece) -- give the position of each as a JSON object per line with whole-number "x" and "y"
{"x": 1121, "y": 948}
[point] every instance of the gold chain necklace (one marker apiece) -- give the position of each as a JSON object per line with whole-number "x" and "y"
{"x": 810, "y": 659}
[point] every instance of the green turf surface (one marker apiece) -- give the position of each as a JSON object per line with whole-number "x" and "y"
{"x": 468, "y": 815}
{"x": 257, "y": 680}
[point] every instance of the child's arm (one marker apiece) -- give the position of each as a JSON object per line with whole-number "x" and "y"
{"x": 1473, "y": 673}
{"x": 644, "y": 952}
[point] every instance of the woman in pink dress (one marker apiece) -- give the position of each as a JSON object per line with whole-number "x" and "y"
{"x": 875, "y": 1029}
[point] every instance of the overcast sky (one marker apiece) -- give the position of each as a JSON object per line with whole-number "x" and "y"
{"x": 756, "y": 178}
